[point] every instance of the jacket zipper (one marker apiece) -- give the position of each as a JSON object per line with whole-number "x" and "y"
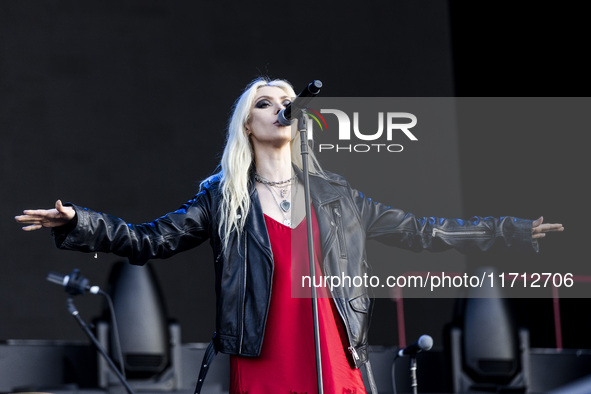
{"x": 242, "y": 325}
{"x": 243, "y": 297}
{"x": 351, "y": 348}
{"x": 453, "y": 233}
{"x": 354, "y": 353}
{"x": 339, "y": 230}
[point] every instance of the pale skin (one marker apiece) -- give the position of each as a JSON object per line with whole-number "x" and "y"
{"x": 271, "y": 145}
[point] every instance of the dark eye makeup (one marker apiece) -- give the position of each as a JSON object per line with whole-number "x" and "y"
{"x": 262, "y": 103}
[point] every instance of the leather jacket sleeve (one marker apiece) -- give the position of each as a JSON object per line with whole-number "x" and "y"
{"x": 398, "y": 228}
{"x": 175, "y": 232}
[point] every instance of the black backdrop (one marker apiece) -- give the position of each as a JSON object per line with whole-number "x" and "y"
{"x": 121, "y": 106}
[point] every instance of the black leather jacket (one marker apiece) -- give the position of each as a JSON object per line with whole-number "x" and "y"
{"x": 243, "y": 272}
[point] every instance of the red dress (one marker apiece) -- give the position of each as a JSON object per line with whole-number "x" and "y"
{"x": 287, "y": 362}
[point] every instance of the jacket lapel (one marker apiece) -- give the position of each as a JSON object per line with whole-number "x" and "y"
{"x": 255, "y": 222}
{"x": 323, "y": 193}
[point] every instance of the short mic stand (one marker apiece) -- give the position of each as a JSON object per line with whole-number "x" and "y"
{"x": 413, "y": 374}
{"x": 302, "y": 128}
{"x": 74, "y": 312}
{"x": 424, "y": 343}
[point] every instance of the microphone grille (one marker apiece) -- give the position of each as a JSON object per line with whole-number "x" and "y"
{"x": 425, "y": 342}
{"x": 314, "y": 87}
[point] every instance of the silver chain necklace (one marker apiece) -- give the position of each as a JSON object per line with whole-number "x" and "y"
{"x": 265, "y": 181}
{"x": 284, "y": 206}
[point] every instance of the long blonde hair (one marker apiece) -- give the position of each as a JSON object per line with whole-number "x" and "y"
{"x": 238, "y": 159}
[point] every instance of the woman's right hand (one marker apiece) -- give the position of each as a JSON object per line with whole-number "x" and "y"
{"x": 38, "y": 218}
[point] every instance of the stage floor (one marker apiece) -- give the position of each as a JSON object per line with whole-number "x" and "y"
{"x": 71, "y": 367}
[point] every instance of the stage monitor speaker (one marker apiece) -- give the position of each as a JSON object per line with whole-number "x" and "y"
{"x": 489, "y": 352}
{"x": 148, "y": 340}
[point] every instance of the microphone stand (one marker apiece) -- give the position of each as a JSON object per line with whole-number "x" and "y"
{"x": 74, "y": 312}
{"x": 413, "y": 374}
{"x": 302, "y": 128}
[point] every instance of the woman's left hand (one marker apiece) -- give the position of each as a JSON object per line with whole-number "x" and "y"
{"x": 539, "y": 228}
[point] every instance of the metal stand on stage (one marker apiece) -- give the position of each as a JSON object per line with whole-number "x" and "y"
{"x": 304, "y": 138}
{"x": 424, "y": 343}
{"x": 74, "y": 284}
{"x": 74, "y": 312}
{"x": 413, "y": 375}
{"x": 285, "y": 118}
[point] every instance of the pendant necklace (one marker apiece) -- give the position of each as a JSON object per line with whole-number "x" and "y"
{"x": 284, "y": 205}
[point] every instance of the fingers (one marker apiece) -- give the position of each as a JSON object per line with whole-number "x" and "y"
{"x": 553, "y": 227}
{"x": 65, "y": 212}
{"x": 32, "y": 227}
{"x": 544, "y": 228}
{"x": 539, "y": 229}
{"x": 32, "y": 219}
{"x": 38, "y": 218}
{"x": 59, "y": 206}
{"x": 36, "y": 212}
{"x": 34, "y": 223}
{"x": 27, "y": 218}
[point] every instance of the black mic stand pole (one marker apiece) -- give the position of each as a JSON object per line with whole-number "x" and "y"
{"x": 302, "y": 127}
{"x": 74, "y": 312}
{"x": 413, "y": 374}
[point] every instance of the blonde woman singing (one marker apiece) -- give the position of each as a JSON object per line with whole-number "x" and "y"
{"x": 251, "y": 212}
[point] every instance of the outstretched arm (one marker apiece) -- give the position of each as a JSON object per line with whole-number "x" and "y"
{"x": 39, "y": 218}
{"x": 85, "y": 230}
{"x": 539, "y": 228}
{"x": 395, "y": 227}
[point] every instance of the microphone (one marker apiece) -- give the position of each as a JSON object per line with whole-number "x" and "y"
{"x": 286, "y": 115}
{"x": 425, "y": 342}
{"x": 73, "y": 283}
